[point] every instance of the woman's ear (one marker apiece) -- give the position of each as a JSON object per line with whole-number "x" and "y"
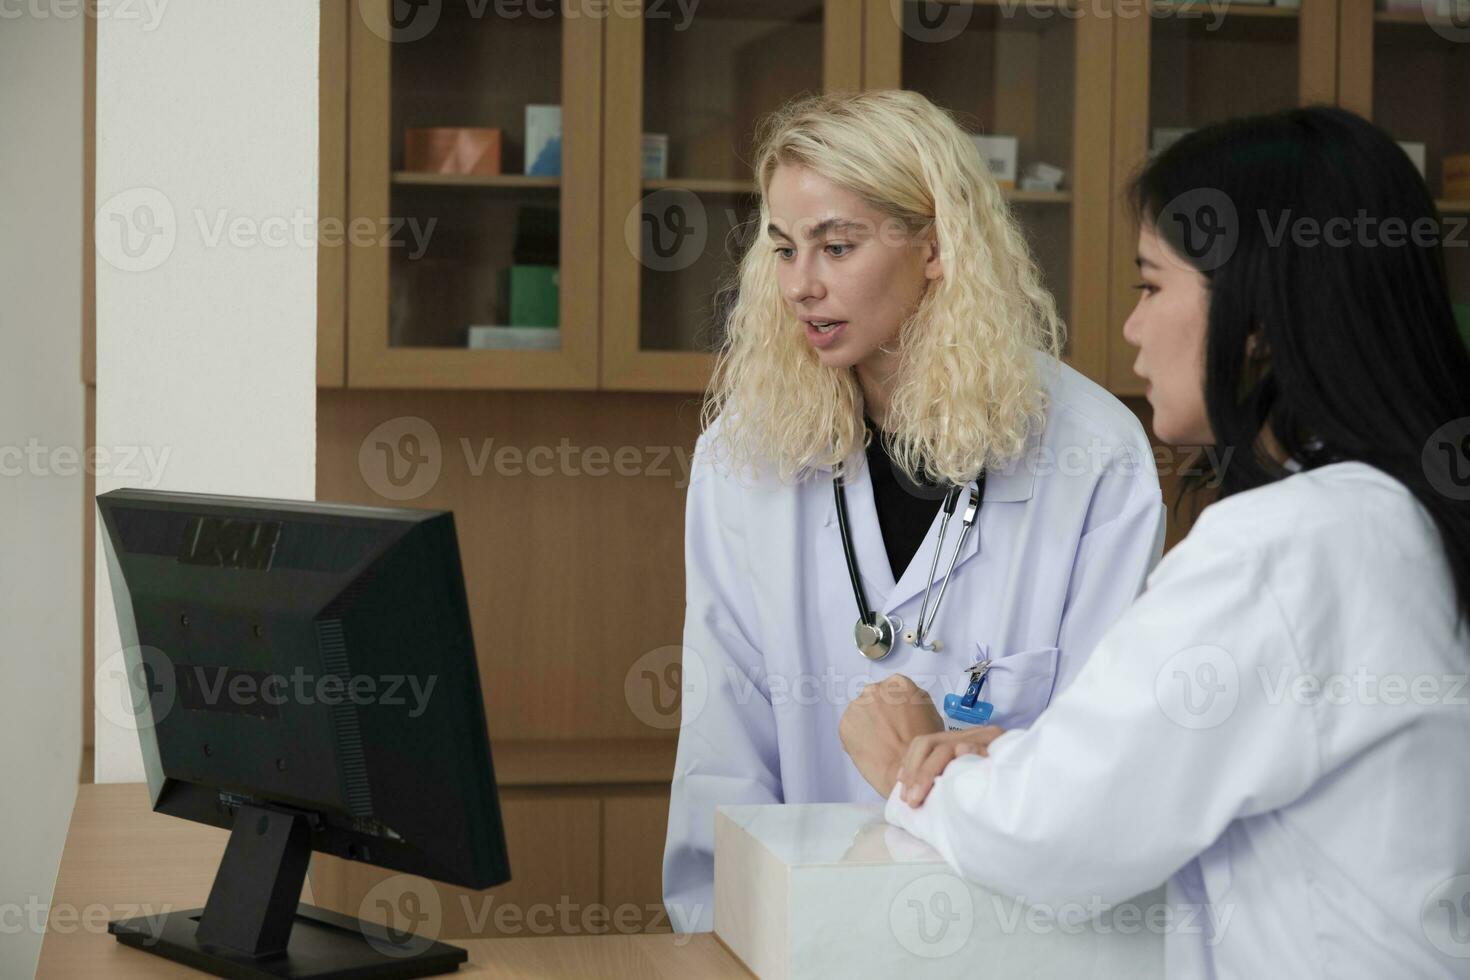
{"x": 933, "y": 264}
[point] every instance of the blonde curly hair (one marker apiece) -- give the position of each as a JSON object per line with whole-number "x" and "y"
{"x": 966, "y": 391}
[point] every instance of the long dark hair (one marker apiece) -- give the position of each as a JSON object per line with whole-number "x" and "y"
{"x": 1356, "y": 354}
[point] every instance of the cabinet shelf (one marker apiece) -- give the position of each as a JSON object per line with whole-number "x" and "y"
{"x": 1412, "y": 18}
{"x": 1169, "y": 8}
{"x": 699, "y": 186}
{"x": 1453, "y": 207}
{"x": 410, "y": 178}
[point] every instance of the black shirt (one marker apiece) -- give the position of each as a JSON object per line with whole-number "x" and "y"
{"x": 905, "y": 509}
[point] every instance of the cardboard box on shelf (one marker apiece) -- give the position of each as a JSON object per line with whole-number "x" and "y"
{"x": 1456, "y": 177}
{"x": 452, "y": 150}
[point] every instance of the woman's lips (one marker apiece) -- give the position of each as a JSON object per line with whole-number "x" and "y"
{"x": 819, "y": 339}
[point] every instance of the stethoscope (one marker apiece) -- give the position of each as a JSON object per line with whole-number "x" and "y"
{"x": 874, "y": 631}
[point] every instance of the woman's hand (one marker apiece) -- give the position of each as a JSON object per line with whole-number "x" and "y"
{"x": 928, "y": 755}
{"x": 877, "y": 728}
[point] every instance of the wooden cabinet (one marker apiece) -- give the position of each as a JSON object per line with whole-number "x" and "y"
{"x": 1042, "y": 73}
{"x": 1182, "y": 66}
{"x": 1410, "y": 74}
{"x": 670, "y": 235}
{"x": 430, "y": 252}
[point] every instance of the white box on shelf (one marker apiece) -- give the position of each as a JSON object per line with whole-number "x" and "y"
{"x": 999, "y": 153}
{"x": 484, "y": 337}
{"x": 655, "y": 156}
{"x": 1166, "y": 136}
{"x": 1040, "y": 176}
{"x": 543, "y": 140}
{"x": 807, "y": 891}
{"x": 1416, "y": 153}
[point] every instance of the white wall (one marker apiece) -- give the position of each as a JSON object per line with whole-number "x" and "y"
{"x": 206, "y": 271}
{"x": 41, "y": 439}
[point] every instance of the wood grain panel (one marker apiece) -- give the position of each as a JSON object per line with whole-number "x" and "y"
{"x": 634, "y": 827}
{"x": 573, "y": 575}
{"x": 553, "y": 838}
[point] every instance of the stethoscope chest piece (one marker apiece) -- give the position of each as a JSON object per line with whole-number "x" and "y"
{"x": 874, "y": 637}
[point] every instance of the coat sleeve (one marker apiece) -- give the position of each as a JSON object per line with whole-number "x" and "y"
{"x": 1122, "y": 540}
{"x": 727, "y": 736}
{"x": 1168, "y": 733}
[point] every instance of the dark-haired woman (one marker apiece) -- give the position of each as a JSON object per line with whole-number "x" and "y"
{"x": 1280, "y": 726}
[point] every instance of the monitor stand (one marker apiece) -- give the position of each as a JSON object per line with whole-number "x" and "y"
{"x": 252, "y": 925}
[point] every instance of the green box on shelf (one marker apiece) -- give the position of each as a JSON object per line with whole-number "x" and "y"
{"x": 1462, "y": 314}
{"x": 530, "y": 294}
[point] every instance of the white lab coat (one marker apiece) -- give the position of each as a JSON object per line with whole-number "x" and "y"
{"x": 1066, "y": 537}
{"x": 1304, "y": 831}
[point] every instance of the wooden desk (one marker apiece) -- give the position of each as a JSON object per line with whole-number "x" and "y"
{"x": 123, "y": 859}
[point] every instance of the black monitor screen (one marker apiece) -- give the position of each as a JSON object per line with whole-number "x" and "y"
{"x": 311, "y": 657}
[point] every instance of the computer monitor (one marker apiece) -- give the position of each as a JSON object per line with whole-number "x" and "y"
{"x": 303, "y": 674}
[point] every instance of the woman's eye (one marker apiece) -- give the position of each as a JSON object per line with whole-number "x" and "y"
{"x": 783, "y": 249}
{"x": 1145, "y": 288}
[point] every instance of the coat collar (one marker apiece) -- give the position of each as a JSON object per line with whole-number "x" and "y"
{"x": 1009, "y": 484}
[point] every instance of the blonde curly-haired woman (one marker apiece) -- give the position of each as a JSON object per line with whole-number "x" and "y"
{"x": 890, "y": 374}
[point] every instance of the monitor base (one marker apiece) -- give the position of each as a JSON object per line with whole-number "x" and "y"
{"x": 323, "y": 945}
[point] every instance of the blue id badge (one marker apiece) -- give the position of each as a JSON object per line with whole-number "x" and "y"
{"x": 966, "y": 710}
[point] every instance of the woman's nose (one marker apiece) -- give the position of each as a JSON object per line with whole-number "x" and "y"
{"x": 803, "y": 286}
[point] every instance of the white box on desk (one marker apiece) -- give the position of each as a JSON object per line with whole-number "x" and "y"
{"x": 805, "y": 891}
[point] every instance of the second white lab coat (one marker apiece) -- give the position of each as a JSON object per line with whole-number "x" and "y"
{"x": 1064, "y": 541}
{"x": 1279, "y": 727}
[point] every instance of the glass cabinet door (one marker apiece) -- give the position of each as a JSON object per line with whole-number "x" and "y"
{"x": 1032, "y": 79}
{"x": 678, "y": 187}
{"x": 1407, "y": 67}
{"x": 1181, "y": 66}
{"x": 474, "y": 132}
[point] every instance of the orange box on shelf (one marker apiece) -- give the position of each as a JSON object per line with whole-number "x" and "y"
{"x": 1457, "y": 177}
{"x": 452, "y": 150}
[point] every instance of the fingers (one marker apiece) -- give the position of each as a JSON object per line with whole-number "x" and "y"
{"x": 929, "y": 755}
{"x": 922, "y": 779}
